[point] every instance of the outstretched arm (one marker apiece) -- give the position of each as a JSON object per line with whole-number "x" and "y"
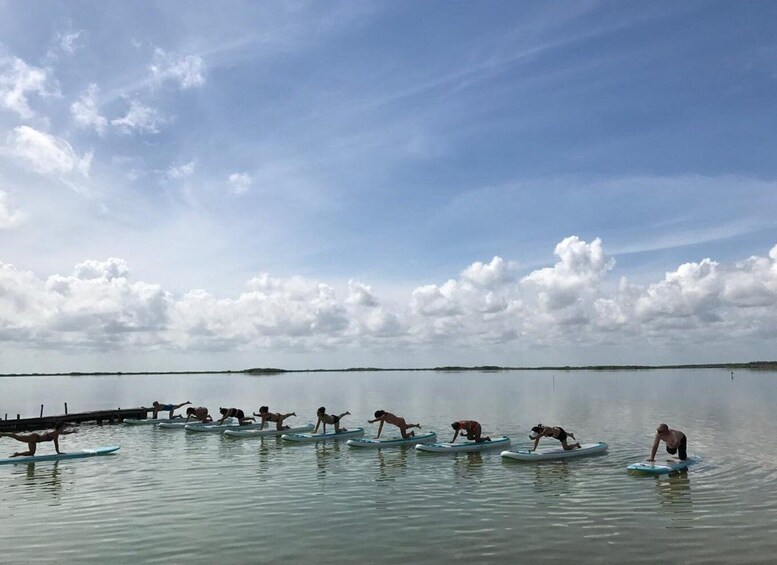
{"x": 536, "y": 442}
{"x": 654, "y": 449}
{"x": 455, "y": 436}
{"x": 380, "y": 428}
{"x": 318, "y": 422}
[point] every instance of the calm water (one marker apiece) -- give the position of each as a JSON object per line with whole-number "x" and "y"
{"x": 174, "y": 497}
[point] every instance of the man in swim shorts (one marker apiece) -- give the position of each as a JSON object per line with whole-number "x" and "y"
{"x": 324, "y": 418}
{"x": 675, "y": 440}
{"x": 234, "y": 413}
{"x": 266, "y": 416}
{"x": 556, "y": 432}
{"x": 170, "y": 408}
{"x": 471, "y": 428}
{"x": 32, "y": 440}
{"x": 389, "y": 418}
{"x": 200, "y": 413}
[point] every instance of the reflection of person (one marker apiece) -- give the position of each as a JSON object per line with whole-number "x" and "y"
{"x": 539, "y": 431}
{"x": 324, "y": 418}
{"x": 200, "y": 413}
{"x": 675, "y": 440}
{"x": 389, "y": 418}
{"x": 32, "y": 440}
{"x": 267, "y": 416}
{"x": 170, "y": 408}
{"x": 471, "y": 428}
{"x": 234, "y": 413}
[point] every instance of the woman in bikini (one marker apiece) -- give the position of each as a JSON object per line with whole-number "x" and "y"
{"x": 324, "y": 418}
{"x": 32, "y": 440}
{"x": 539, "y": 431}
{"x": 234, "y": 413}
{"x": 471, "y": 429}
{"x": 266, "y": 416}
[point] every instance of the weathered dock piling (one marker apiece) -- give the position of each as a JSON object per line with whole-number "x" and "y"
{"x": 98, "y": 416}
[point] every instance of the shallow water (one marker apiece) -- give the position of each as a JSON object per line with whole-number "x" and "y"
{"x": 171, "y": 496}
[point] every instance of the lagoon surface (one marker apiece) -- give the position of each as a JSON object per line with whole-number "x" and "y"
{"x": 174, "y": 497}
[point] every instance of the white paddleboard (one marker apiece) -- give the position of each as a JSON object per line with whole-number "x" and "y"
{"x": 59, "y": 456}
{"x": 496, "y": 442}
{"x": 352, "y": 432}
{"x": 663, "y": 466}
{"x": 393, "y": 441}
{"x": 267, "y": 432}
{"x": 554, "y": 453}
{"x": 218, "y": 428}
{"x": 150, "y": 421}
{"x": 181, "y": 424}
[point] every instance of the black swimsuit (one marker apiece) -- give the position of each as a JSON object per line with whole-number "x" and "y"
{"x": 562, "y": 435}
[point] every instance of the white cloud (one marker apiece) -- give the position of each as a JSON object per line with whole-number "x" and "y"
{"x": 18, "y": 80}
{"x": 47, "y": 154}
{"x": 182, "y": 171}
{"x": 187, "y": 70}
{"x": 85, "y": 111}
{"x": 8, "y": 218}
{"x": 489, "y": 274}
{"x": 68, "y": 41}
{"x": 139, "y": 118}
{"x": 98, "y": 307}
{"x": 240, "y": 182}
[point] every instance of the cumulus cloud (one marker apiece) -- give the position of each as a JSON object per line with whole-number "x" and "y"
{"x": 182, "y": 171}
{"x": 187, "y": 70}
{"x": 240, "y": 182}
{"x": 8, "y": 218}
{"x": 98, "y": 306}
{"x": 85, "y": 111}
{"x": 47, "y": 154}
{"x": 139, "y": 118}
{"x": 18, "y": 80}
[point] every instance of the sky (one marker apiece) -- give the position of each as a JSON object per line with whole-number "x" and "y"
{"x": 224, "y": 185}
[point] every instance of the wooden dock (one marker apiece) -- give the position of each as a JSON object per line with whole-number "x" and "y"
{"x": 99, "y": 417}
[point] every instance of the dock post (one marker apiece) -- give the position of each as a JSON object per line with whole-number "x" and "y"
{"x": 18, "y": 417}
{"x": 41, "y": 410}
{"x": 65, "y": 408}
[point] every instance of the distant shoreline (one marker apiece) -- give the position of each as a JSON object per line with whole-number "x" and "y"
{"x": 752, "y": 365}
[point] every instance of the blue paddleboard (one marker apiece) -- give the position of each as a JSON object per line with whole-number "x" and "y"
{"x": 663, "y": 466}
{"x": 393, "y": 441}
{"x": 59, "y": 456}
{"x": 353, "y": 432}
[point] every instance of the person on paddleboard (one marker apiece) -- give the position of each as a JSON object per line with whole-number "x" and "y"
{"x": 170, "y": 408}
{"x": 471, "y": 429}
{"x": 556, "y": 432}
{"x": 675, "y": 440}
{"x": 32, "y": 440}
{"x": 200, "y": 413}
{"x": 324, "y": 418}
{"x": 389, "y": 418}
{"x": 267, "y": 416}
{"x": 234, "y": 413}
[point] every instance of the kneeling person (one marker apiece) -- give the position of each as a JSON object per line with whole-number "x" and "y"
{"x": 324, "y": 418}
{"x": 266, "y": 416}
{"x": 389, "y": 418}
{"x": 675, "y": 440}
{"x": 556, "y": 432}
{"x": 32, "y": 440}
{"x": 471, "y": 428}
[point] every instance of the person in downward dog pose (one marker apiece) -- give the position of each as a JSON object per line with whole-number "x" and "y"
{"x": 471, "y": 428}
{"x": 324, "y": 418}
{"x": 170, "y": 408}
{"x": 32, "y": 440}
{"x": 234, "y": 413}
{"x": 676, "y": 442}
{"x": 266, "y": 416}
{"x": 389, "y": 418}
{"x": 539, "y": 431}
{"x": 200, "y": 413}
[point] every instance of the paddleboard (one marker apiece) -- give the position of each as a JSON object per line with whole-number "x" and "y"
{"x": 181, "y": 424}
{"x": 555, "y": 453}
{"x": 218, "y": 429}
{"x": 353, "y": 432}
{"x": 496, "y": 442}
{"x": 267, "y": 432}
{"x": 663, "y": 466}
{"x": 59, "y": 456}
{"x": 393, "y": 441}
{"x": 150, "y": 421}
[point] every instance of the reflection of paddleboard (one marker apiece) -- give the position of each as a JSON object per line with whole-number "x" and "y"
{"x": 663, "y": 466}
{"x": 552, "y": 453}
{"x": 150, "y": 421}
{"x": 321, "y": 437}
{"x": 267, "y": 432}
{"x": 59, "y": 456}
{"x": 497, "y": 442}
{"x": 393, "y": 441}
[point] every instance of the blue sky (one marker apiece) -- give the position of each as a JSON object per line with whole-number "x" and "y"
{"x": 199, "y": 177}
